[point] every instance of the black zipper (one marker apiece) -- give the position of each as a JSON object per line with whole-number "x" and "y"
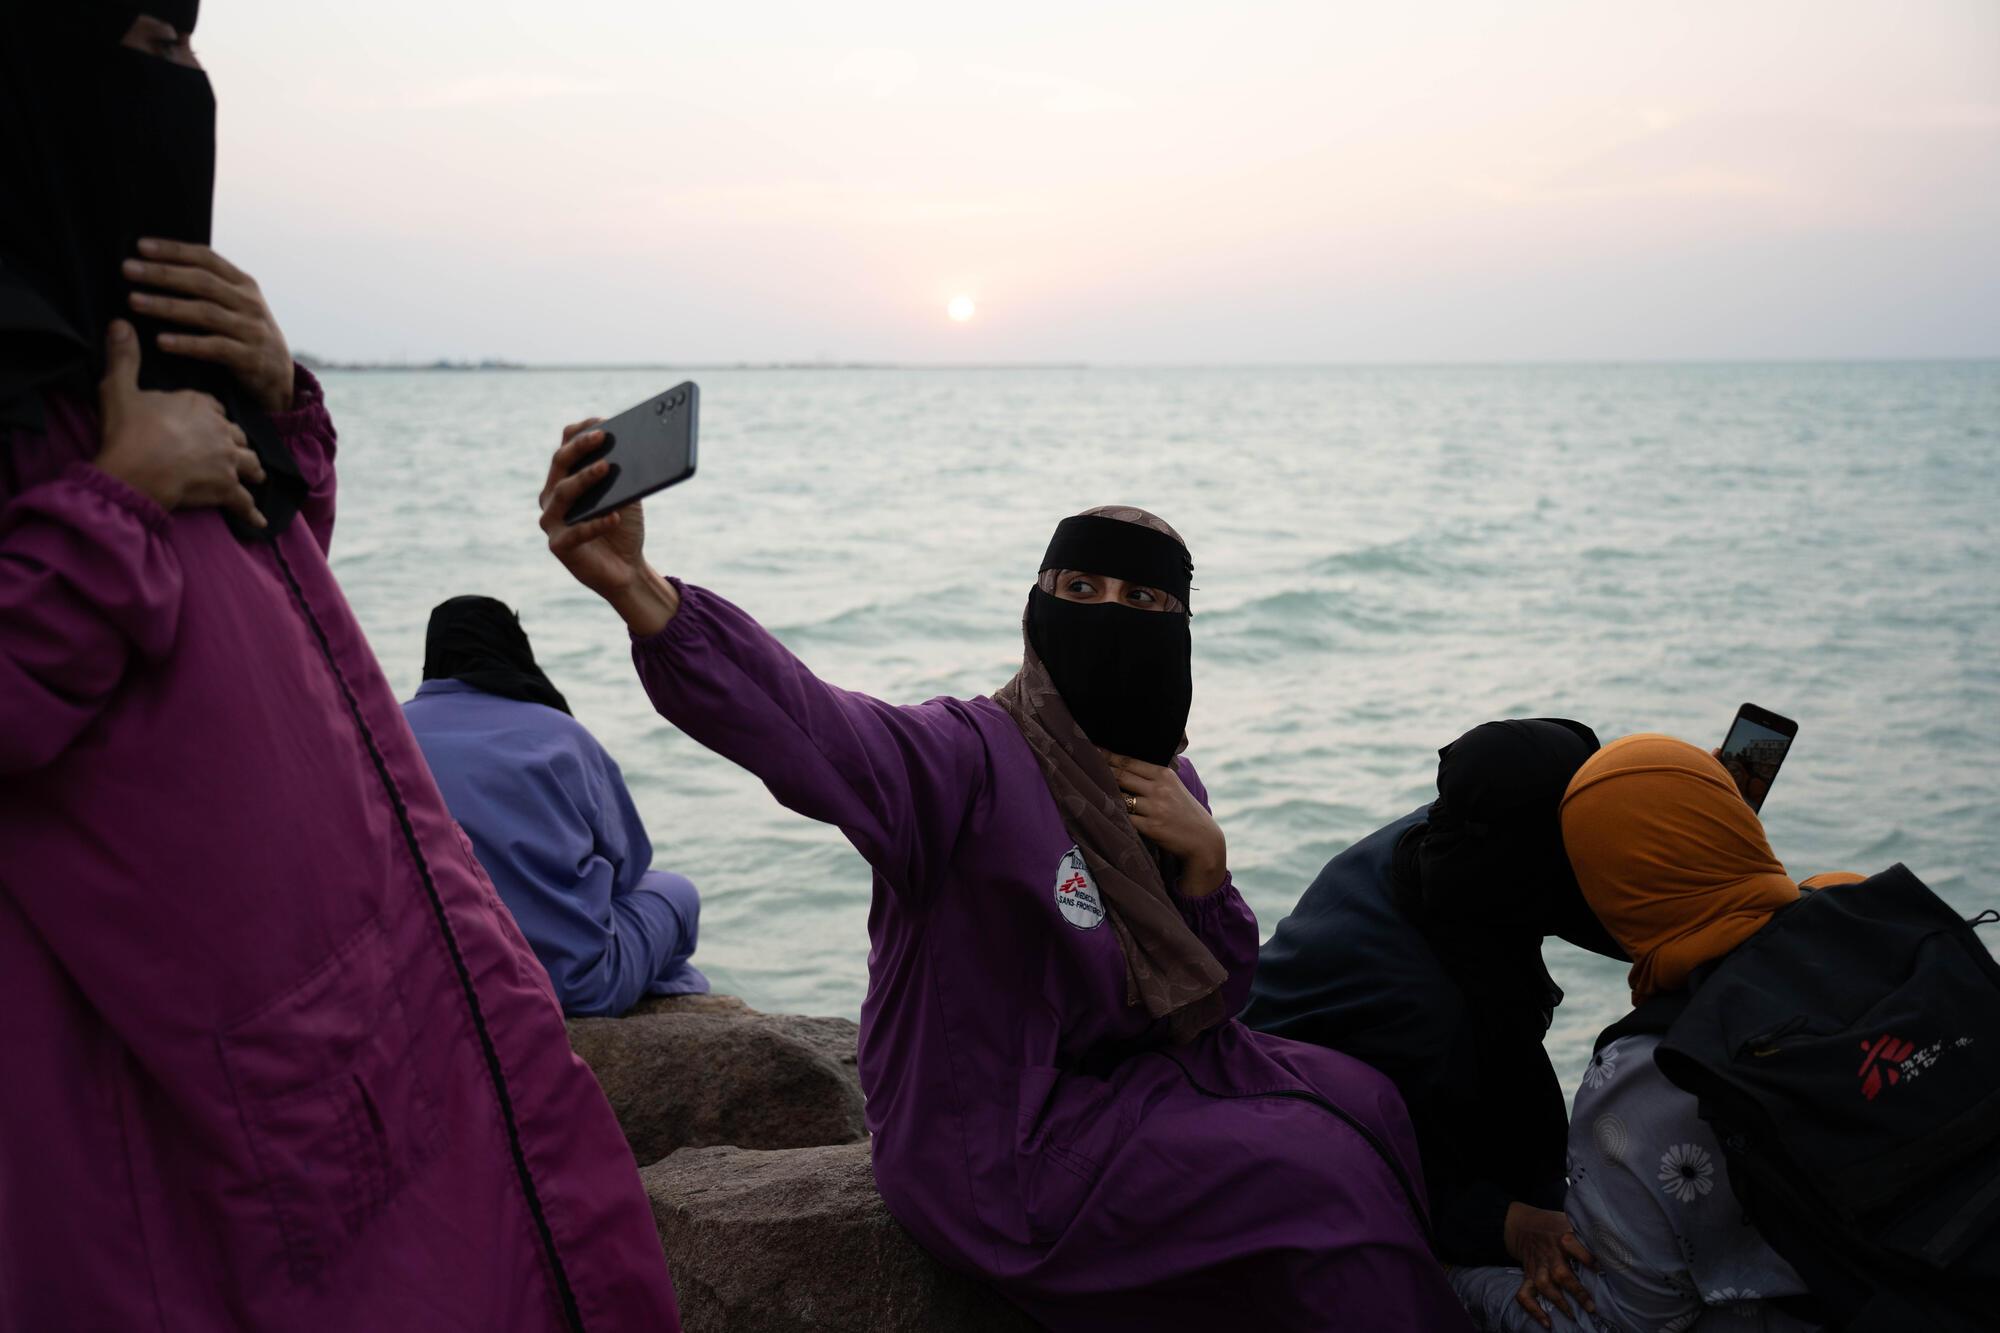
{"x": 572, "y": 1315}
{"x": 1417, "y": 1209}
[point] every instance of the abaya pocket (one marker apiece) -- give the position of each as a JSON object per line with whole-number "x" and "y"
{"x": 1067, "y": 1127}
{"x": 337, "y": 1114}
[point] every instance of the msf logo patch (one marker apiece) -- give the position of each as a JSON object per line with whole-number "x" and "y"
{"x": 1883, "y": 1058}
{"x": 1076, "y": 892}
{"x": 1889, "y": 1060}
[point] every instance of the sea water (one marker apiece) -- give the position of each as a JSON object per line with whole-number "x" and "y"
{"x": 1383, "y": 558}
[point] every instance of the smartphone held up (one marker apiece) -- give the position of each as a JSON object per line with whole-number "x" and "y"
{"x": 651, "y": 447}
{"x": 1753, "y": 750}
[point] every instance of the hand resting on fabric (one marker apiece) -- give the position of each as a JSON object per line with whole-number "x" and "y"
{"x": 1543, "y": 1243}
{"x": 180, "y": 449}
{"x": 234, "y": 326}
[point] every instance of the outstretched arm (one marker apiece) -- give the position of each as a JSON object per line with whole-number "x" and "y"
{"x": 898, "y": 782}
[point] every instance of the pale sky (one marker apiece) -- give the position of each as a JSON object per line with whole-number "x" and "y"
{"x": 1159, "y": 182}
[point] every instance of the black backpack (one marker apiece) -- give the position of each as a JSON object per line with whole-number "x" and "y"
{"x": 1847, "y": 1057}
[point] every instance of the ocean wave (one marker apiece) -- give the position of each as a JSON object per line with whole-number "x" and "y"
{"x": 1304, "y": 619}
{"x": 1429, "y": 555}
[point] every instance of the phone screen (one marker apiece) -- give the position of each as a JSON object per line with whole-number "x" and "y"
{"x": 1752, "y": 753}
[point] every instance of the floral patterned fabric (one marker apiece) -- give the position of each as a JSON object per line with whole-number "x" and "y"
{"x": 1649, "y": 1196}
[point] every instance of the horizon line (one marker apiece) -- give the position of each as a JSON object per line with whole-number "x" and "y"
{"x": 495, "y": 364}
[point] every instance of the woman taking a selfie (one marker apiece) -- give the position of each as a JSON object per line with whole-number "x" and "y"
{"x": 1060, "y": 1101}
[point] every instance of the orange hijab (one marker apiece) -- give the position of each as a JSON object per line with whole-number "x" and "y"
{"x": 1669, "y": 857}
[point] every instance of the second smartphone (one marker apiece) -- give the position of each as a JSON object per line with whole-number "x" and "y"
{"x": 1754, "y": 748}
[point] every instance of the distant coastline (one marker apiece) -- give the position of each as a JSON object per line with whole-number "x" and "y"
{"x": 319, "y": 363}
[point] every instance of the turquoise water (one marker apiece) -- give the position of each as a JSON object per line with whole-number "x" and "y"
{"x": 1383, "y": 558}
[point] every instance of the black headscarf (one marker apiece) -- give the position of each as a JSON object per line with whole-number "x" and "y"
{"x": 1486, "y": 876}
{"x": 479, "y": 641}
{"x": 101, "y": 144}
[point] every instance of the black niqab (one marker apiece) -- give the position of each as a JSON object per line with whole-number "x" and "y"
{"x": 1491, "y": 857}
{"x": 1486, "y": 877}
{"x": 100, "y": 145}
{"x": 1125, "y": 673}
{"x": 479, "y": 641}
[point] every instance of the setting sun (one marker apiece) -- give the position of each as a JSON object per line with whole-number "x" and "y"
{"x": 960, "y": 308}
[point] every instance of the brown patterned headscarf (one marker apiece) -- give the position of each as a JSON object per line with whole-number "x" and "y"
{"x": 1167, "y": 968}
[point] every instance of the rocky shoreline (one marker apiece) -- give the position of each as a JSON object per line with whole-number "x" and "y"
{"x": 748, "y": 1132}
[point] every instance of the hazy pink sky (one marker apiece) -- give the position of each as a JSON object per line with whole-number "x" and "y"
{"x": 620, "y": 180}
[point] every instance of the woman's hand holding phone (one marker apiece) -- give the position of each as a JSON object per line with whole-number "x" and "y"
{"x": 606, "y": 555}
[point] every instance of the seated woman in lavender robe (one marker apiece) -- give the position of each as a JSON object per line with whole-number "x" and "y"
{"x": 548, "y": 814}
{"x": 1060, "y": 1101}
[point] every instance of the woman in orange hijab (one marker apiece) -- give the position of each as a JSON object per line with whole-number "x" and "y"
{"x": 1670, "y": 857}
{"x": 1676, "y": 866}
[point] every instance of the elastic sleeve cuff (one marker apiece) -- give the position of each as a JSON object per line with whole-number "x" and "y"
{"x": 1208, "y": 909}
{"x": 685, "y": 626}
{"x": 308, "y": 403}
{"x": 117, "y": 494}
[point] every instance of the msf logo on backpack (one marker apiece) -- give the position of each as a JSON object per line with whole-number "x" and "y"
{"x": 1888, "y": 1060}
{"x": 1883, "y": 1060}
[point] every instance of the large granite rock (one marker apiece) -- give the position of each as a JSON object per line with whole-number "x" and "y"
{"x": 713, "y": 1003}
{"x": 690, "y": 1071}
{"x": 833, "y": 1037}
{"x": 799, "y": 1241}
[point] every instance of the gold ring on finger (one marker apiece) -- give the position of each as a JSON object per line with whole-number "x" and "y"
{"x": 1131, "y": 805}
